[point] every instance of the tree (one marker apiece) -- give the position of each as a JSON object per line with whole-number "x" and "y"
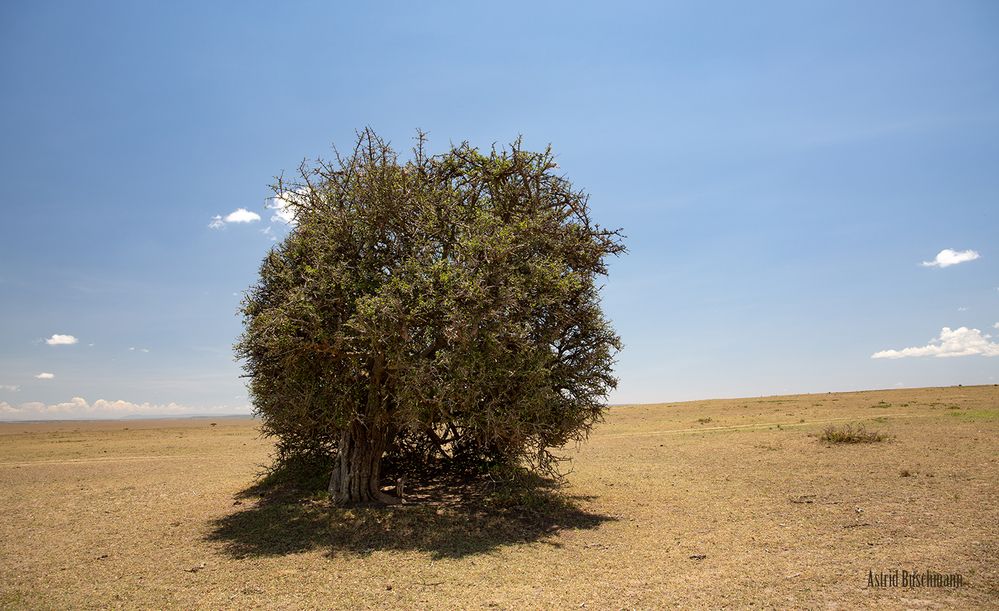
{"x": 439, "y": 310}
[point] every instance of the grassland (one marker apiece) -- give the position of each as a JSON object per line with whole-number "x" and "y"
{"x": 717, "y": 504}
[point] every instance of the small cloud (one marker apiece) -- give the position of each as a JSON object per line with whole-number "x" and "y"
{"x": 45, "y": 376}
{"x": 10, "y": 387}
{"x": 952, "y": 342}
{"x": 239, "y": 215}
{"x": 134, "y": 349}
{"x": 948, "y": 257}
{"x": 283, "y": 206}
{"x": 962, "y": 309}
{"x": 61, "y": 340}
{"x": 242, "y": 215}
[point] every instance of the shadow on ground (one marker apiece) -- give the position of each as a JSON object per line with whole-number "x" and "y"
{"x": 441, "y": 518}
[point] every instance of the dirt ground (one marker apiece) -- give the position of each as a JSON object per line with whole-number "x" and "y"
{"x": 720, "y": 504}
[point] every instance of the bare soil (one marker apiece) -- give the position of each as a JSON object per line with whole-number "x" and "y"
{"x": 720, "y": 504}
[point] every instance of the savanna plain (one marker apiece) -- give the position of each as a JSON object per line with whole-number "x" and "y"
{"x": 720, "y": 504}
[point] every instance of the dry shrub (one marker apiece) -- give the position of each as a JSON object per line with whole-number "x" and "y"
{"x": 849, "y": 433}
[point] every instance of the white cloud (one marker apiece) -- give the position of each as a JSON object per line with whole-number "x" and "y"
{"x": 962, "y": 309}
{"x": 283, "y": 206}
{"x": 134, "y": 349}
{"x": 78, "y": 407}
{"x": 10, "y": 387}
{"x": 45, "y": 376}
{"x": 239, "y": 215}
{"x": 242, "y": 215}
{"x": 61, "y": 340}
{"x": 948, "y": 257}
{"x": 952, "y": 342}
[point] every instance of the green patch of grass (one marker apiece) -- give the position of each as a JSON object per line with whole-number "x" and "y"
{"x": 849, "y": 433}
{"x": 977, "y": 415}
{"x": 13, "y": 600}
{"x": 295, "y": 477}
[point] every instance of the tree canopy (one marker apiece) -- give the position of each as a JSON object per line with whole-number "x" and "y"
{"x": 440, "y": 310}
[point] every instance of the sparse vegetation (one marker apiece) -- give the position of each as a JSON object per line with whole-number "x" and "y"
{"x": 703, "y": 420}
{"x": 147, "y": 518}
{"x": 849, "y": 433}
{"x": 975, "y": 415}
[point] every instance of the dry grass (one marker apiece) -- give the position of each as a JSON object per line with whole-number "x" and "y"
{"x": 661, "y": 510}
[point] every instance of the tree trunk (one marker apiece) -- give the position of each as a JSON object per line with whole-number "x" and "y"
{"x": 357, "y": 470}
{"x": 355, "y": 477}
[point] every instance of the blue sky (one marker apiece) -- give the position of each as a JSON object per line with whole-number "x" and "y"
{"x": 781, "y": 170}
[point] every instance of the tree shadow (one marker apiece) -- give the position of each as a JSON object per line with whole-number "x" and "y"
{"x": 444, "y": 517}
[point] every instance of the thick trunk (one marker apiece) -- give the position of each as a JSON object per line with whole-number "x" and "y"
{"x": 358, "y": 465}
{"x": 357, "y": 469}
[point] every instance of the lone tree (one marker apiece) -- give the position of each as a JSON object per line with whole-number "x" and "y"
{"x": 442, "y": 310}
